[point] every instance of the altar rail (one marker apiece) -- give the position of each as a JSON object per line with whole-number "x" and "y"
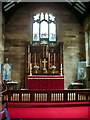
{"x": 46, "y": 95}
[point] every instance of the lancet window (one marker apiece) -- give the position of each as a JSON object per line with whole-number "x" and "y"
{"x": 44, "y": 28}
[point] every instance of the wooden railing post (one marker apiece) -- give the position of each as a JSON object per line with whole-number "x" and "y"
{"x": 20, "y": 97}
{"x": 32, "y": 96}
{"x": 65, "y": 96}
{"x": 49, "y": 97}
{"x": 87, "y": 94}
{"x": 9, "y": 97}
{"x": 76, "y": 96}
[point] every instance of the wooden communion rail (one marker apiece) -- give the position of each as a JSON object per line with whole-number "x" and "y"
{"x": 46, "y": 95}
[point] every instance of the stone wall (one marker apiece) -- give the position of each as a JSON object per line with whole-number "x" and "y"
{"x": 19, "y": 31}
{"x": 86, "y": 27}
{"x": 2, "y": 37}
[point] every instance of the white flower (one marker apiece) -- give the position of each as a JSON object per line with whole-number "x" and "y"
{"x": 36, "y": 66}
{"x": 53, "y": 67}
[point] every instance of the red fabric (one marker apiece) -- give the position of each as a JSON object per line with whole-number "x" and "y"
{"x": 46, "y": 77}
{"x": 51, "y": 112}
{"x": 43, "y": 82}
{"x": 78, "y": 82}
{"x": 56, "y": 119}
{"x": 63, "y": 103}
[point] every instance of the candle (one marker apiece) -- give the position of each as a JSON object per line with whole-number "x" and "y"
{"x": 61, "y": 70}
{"x": 30, "y": 69}
{"x": 61, "y": 65}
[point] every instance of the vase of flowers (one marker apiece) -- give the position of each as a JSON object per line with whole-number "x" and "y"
{"x": 36, "y": 68}
{"x": 53, "y": 68}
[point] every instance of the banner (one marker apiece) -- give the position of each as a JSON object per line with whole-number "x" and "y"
{"x": 6, "y": 71}
{"x": 81, "y": 70}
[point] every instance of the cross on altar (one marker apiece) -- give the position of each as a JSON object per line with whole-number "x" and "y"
{"x": 44, "y": 62}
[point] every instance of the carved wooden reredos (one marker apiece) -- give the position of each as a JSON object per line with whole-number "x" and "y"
{"x": 45, "y": 59}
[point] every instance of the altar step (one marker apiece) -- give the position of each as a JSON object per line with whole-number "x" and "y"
{"x": 45, "y": 111}
{"x": 47, "y": 105}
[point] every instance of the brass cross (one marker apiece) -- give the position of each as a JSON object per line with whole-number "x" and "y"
{"x": 44, "y": 62}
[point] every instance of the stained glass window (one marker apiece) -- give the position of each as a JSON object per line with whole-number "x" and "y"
{"x": 44, "y": 30}
{"x": 46, "y": 17}
{"x": 52, "y": 32}
{"x": 36, "y": 17}
{"x": 35, "y": 31}
{"x": 41, "y": 16}
{"x": 44, "y": 26}
{"x": 52, "y": 18}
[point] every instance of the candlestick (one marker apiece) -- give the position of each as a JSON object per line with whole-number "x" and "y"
{"x": 30, "y": 69}
{"x": 61, "y": 72}
{"x": 30, "y": 58}
{"x": 61, "y": 65}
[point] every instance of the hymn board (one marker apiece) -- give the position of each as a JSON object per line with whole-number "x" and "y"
{"x": 45, "y": 59}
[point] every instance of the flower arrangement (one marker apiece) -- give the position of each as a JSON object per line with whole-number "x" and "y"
{"x": 52, "y": 68}
{"x": 36, "y": 67}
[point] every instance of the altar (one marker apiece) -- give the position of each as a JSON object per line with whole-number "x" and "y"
{"x": 45, "y": 66}
{"x": 45, "y": 82}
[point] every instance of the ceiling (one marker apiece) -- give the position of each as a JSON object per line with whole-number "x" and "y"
{"x": 80, "y": 9}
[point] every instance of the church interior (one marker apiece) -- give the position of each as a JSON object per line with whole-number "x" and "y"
{"x": 45, "y": 60}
